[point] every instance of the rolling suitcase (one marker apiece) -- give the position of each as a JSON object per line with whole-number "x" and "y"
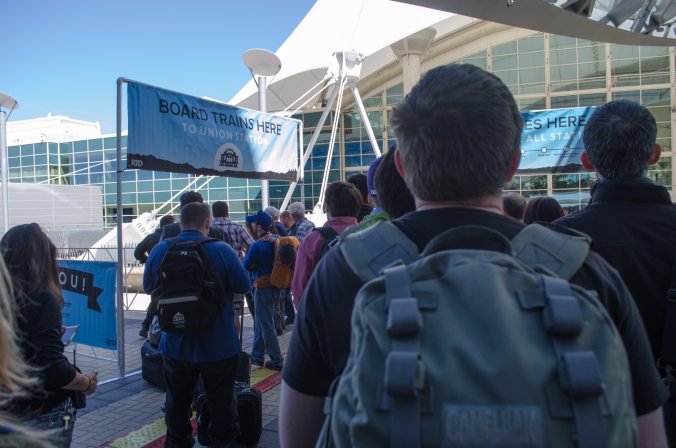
{"x": 152, "y": 366}
{"x": 250, "y": 411}
{"x": 249, "y": 401}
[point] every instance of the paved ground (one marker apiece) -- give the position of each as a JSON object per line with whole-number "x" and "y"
{"x": 123, "y": 405}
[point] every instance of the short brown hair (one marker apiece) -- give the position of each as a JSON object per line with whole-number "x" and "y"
{"x": 194, "y": 215}
{"x": 343, "y": 199}
{"x": 220, "y": 209}
{"x": 458, "y": 131}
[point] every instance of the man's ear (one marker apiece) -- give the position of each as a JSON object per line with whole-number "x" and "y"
{"x": 586, "y": 162}
{"x": 514, "y": 165}
{"x": 399, "y": 164}
{"x": 655, "y": 156}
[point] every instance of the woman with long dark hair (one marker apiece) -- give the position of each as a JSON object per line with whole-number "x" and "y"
{"x": 16, "y": 377}
{"x": 542, "y": 209}
{"x": 30, "y": 257}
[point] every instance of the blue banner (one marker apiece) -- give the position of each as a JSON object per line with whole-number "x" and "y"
{"x": 169, "y": 131}
{"x": 89, "y": 301}
{"x": 552, "y": 140}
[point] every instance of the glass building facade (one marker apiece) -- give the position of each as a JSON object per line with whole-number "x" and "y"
{"x": 542, "y": 71}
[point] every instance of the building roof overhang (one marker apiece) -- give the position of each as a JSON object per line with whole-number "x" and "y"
{"x": 371, "y": 26}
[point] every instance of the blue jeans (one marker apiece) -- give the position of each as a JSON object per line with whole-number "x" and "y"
{"x": 265, "y": 336}
{"x": 61, "y": 434}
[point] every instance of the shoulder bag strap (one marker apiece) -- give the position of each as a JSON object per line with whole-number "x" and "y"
{"x": 561, "y": 254}
{"x": 369, "y": 251}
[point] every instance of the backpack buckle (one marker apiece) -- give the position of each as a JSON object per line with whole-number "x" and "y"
{"x": 404, "y": 374}
{"x": 562, "y": 315}
{"x": 581, "y": 376}
{"x": 404, "y": 319}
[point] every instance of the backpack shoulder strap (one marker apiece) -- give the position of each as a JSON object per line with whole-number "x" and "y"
{"x": 327, "y": 232}
{"x": 562, "y": 254}
{"x": 173, "y": 241}
{"x": 206, "y": 239}
{"x": 200, "y": 249}
{"x": 369, "y": 251}
{"x": 211, "y": 273}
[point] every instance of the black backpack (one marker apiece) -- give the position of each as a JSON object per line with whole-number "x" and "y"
{"x": 190, "y": 293}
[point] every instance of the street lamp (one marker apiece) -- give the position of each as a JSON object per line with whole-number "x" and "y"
{"x": 10, "y": 103}
{"x": 262, "y": 63}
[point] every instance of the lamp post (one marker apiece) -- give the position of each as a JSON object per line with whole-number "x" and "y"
{"x": 262, "y": 63}
{"x": 10, "y": 103}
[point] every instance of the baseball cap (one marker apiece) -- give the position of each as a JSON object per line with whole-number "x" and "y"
{"x": 261, "y": 218}
{"x": 370, "y": 177}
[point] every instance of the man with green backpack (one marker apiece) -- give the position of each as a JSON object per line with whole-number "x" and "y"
{"x": 457, "y": 326}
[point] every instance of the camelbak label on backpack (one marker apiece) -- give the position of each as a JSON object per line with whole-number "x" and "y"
{"x": 504, "y": 426}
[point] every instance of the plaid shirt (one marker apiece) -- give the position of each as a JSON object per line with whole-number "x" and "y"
{"x": 302, "y": 228}
{"x": 235, "y": 235}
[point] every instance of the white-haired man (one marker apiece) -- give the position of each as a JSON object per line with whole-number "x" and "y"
{"x": 301, "y": 225}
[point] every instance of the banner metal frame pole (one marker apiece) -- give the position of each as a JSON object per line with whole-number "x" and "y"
{"x": 5, "y": 171}
{"x": 120, "y": 252}
{"x": 263, "y": 107}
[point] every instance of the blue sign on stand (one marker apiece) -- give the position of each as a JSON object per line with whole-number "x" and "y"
{"x": 179, "y": 133}
{"x": 552, "y": 140}
{"x": 89, "y": 301}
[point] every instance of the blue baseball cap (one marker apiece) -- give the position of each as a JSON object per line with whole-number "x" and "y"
{"x": 370, "y": 177}
{"x": 261, "y": 218}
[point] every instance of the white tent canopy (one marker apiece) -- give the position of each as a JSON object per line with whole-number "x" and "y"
{"x": 338, "y": 26}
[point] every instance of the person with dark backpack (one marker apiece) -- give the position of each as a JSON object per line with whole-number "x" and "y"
{"x": 455, "y": 325}
{"x": 342, "y": 205}
{"x": 192, "y": 279}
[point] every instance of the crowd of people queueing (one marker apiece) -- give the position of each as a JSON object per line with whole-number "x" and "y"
{"x": 458, "y": 142}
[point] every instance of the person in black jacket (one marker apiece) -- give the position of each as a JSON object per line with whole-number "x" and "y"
{"x": 141, "y": 254}
{"x": 632, "y": 221}
{"x": 30, "y": 257}
{"x": 173, "y": 230}
{"x": 146, "y": 245}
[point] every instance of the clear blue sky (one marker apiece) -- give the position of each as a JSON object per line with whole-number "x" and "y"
{"x": 64, "y": 57}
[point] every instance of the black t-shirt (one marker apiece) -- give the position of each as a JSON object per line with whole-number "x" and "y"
{"x": 321, "y": 340}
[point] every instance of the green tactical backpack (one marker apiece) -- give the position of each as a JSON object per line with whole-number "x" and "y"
{"x": 478, "y": 348}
